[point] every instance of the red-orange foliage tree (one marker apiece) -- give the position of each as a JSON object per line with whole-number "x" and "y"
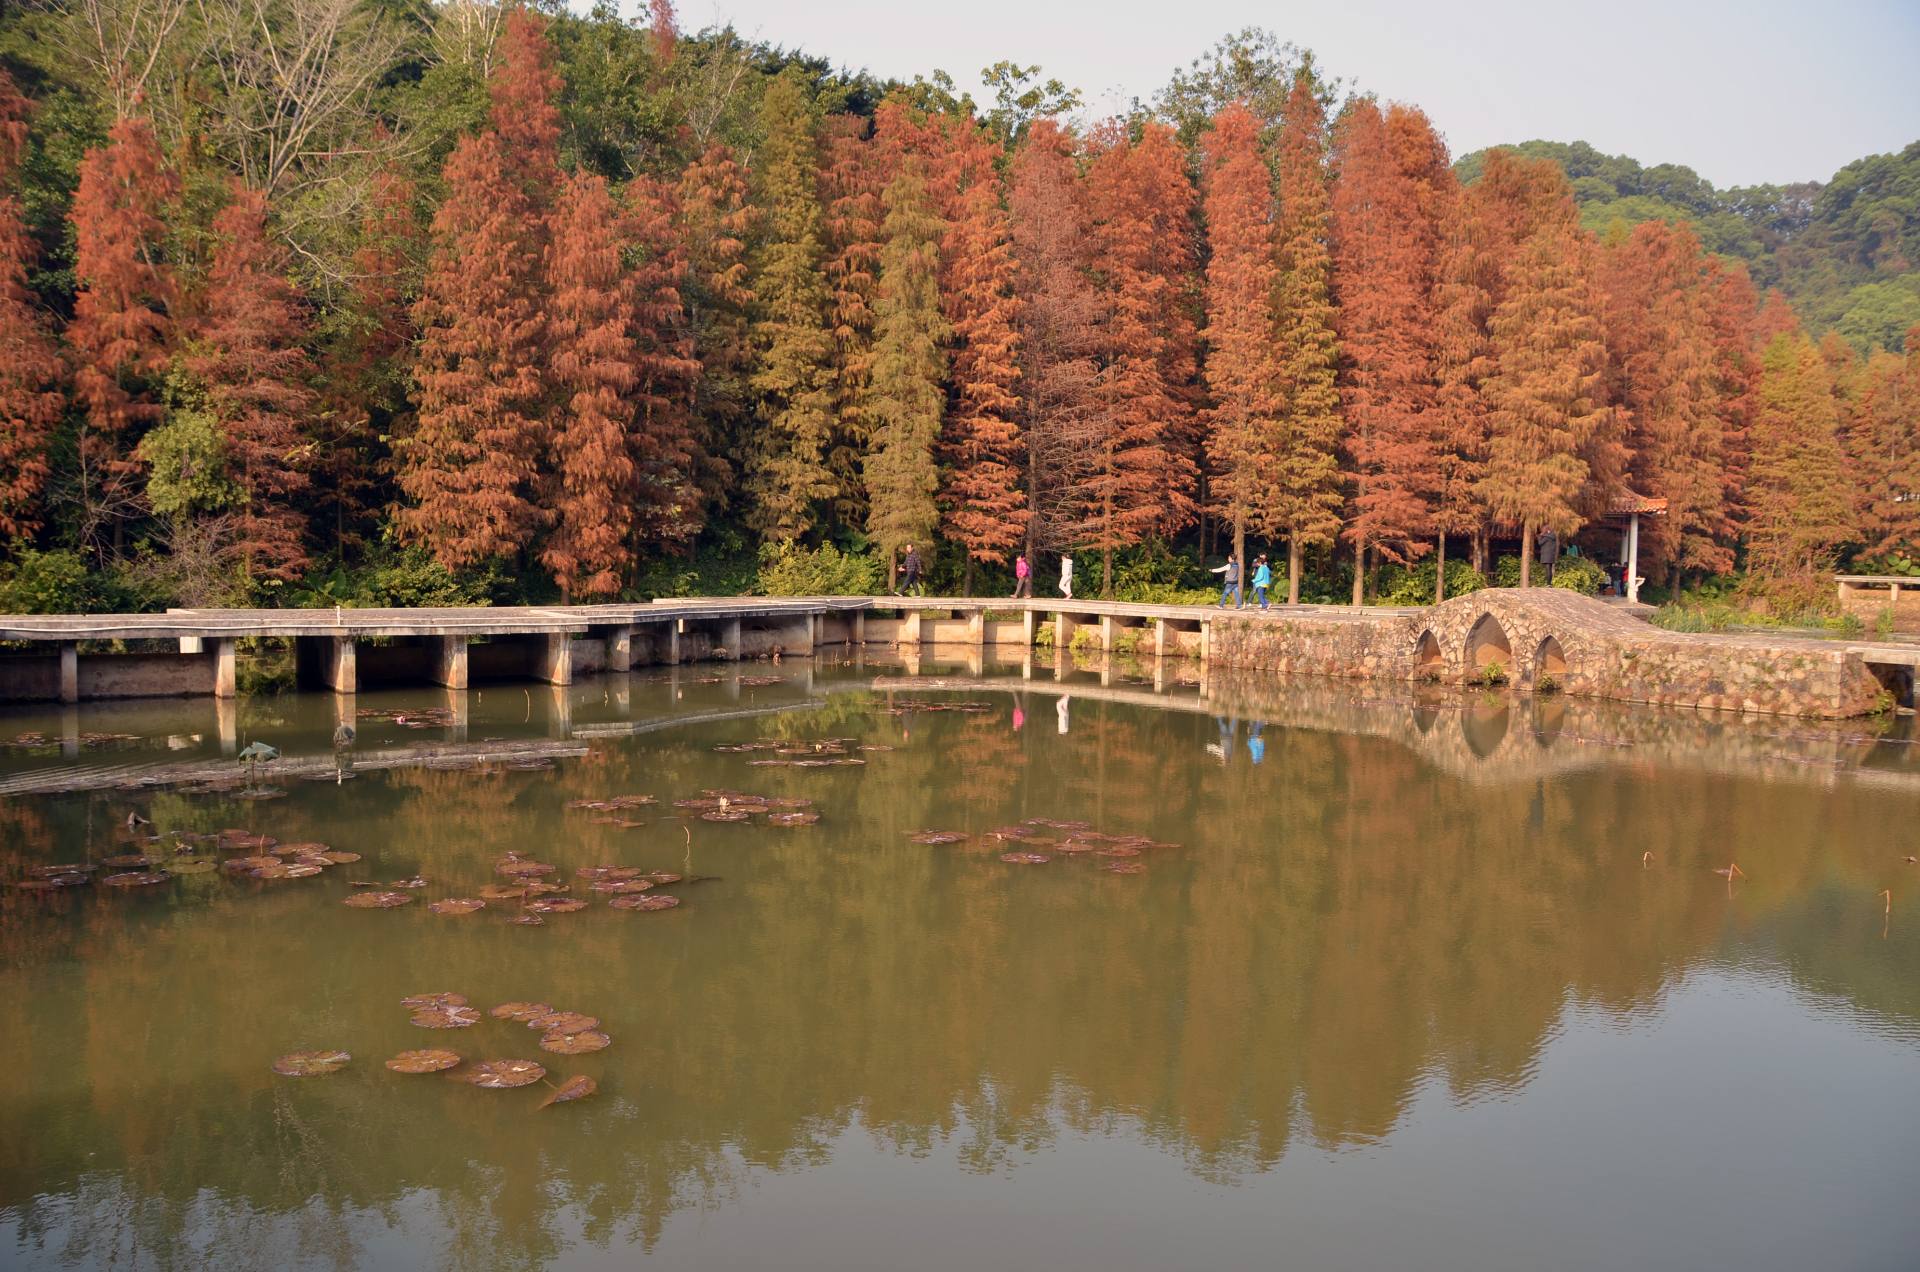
{"x": 30, "y": 400}
{"x": 1666, "y": 377}
{"x": 665, "y": 31}
{"x": 1141, "y": 468}
{"x": 1387, "y": 207}
{"x": 1308, "y": 501}
{"x": 590, "y": 319}
{"x": 1883, "y": 451}
{"x": 667, "y": 509}
{"x": 118, "y": 339}
{"x": 249, "y": 352}
{"x": 471, "y": 465}
{"x": 1245, "y": 438}
{"x": 713, "y": 219}
{"x": 1057, "y": 325}
{"x": 982, "y": 493}
{"x": 1797, "y": 500}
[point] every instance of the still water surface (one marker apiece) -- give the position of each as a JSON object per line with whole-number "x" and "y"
{"x": 1406, "y": 993}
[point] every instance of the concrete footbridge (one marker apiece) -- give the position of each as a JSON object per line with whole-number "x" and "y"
{"x": 1536, "y": 639}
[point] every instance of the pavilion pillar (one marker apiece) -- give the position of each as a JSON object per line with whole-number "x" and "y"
{"x": 450, "y": 661}
{"x": 226, "y": 667}
{"x": 553, "y": 658}
{"x": 1633, "y": 558}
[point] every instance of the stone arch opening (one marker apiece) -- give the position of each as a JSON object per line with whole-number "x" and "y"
{"x": 1487, "y": 646}
{"x": 1550, "y": 660}
{"x": 1428, "y": 662}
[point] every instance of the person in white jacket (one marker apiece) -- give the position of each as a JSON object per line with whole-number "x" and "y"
{"x": 1066, "y": 577}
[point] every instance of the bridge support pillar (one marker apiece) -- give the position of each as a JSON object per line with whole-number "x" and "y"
{"x": 1062, "y": 633}
{"x": 226, "y": 723}
{"x": 1107, "y": 627}
{"x": 339, "y": 667}
{"x": 673, "y": 642}
{"x": 730, "y": 635}
{"x": 1028, "y": 626}
{"x": 450, "y": 661}
{"x": 553, "y": 658}
{"x": 859, "y": 628}
{"x": 69, "y": 671}
{"x": 226, "y": 668}
{"x": 620, "y": 649}
{"x": 910, "y": 628}
{"x": 1159, "y": 638}
{"x": 977, "y": 629}
{"x": 192, "y": 644}
{"x": 1206, "y": 640}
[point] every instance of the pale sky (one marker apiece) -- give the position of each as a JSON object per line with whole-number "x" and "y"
{"x": 1742, "y": 91}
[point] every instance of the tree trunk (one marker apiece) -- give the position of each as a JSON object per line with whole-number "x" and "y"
{"x": 1240, "y": 550}
{"x": 1439, "y": 568}
{"x": 1477, "y": 545}
{"x": 966, "y": 582}
{"x": 1293, "y": 569}
{"x": 1526, "y": 553}
{"x": 1359, "y": 572}
{"x": 1106, "y": 573}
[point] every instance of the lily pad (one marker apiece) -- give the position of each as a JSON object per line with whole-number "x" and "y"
{"x": 527, "y": 920}
{"x": 522, "y": 1011}
{"x": 425, "y": 1060}
{"x": 792, "y": 819}
{"x": 577, "y": 1087}
{"x": 726, "y": 815}
{"x": 411, "y": 881}
{"x": 938, "y": 837}
{"x": 127, "y": 861}
{"x": 377, "y": 900}
{"x": 500, "y": 1075}
{"x": 623, "y": 887}
{"x": 135, "y": 879}
{"x": 340, "y": 858}
{"x": 457, "y": 905}
{"x": 1125, "y": 867}
{"x": 1025, "y": 858}
{"x": 664, "y": 877}
{"x": 446, "y": 1018}
{"x": 502, "y": 892}
{"x": 301, "y": 870}
{"x": 517, "y": 869}
{"x": 51, "y": 872}
{"x": 575, "y": 1044}
{"x": 308, "y": 1064}
{"x": 556, "y": 905}
{"x": 563, "y": 1022}
{"x": 1119, "y": 850}
{"x": 647, "y": 903}
{"x": 421, "y": 1002}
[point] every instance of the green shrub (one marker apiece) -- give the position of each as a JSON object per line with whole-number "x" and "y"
{"x": 1086, "y": 640}
{"x": 1494, "y": 673}
{"x": 787, "y": 569}
{"x": 1413, "y": 585}
{"x": 394, "y": 578}
{"x": 1166, "y": 594}
{"x": 51, "y": 582}
{"x": 1575, "y": 573}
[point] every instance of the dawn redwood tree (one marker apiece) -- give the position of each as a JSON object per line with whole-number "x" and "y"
{"x": 1554, "y": 450}
{"x": 1307, "y": 503}
{"x": 668, "y": 506}
{"x": 1057, "y": 324}
{"x": 665, "y": 31}
{"x": 590, "y": 320}
{"x": 852, "y": 178}
{"x": 472, "y": 464}
{"x": 30, "y": 369}
{"x": 1385, "y": 240}
{"x": 1883, "y": 452}
{"x": 119, "y": 339}
{"x": 1732, "y": 311}
{"x": 794, "y": 371}
{"x": 713, "y": 220}
{"x": 1245, "y": 435}
{"x": 983, "y": 496}
{"x": 1140, "y": 470}
{"x": 249, "y": 354}
{"x": 906, "y": 398}
{"x": 1797, "y": 499}
{"x": 1661, "y": 337}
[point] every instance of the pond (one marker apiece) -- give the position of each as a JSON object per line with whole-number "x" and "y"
{"x": 1253, "y": 972}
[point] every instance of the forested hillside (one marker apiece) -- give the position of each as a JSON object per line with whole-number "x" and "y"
{"x": 363, "y": 301}
{"x": 1846, "y": 252}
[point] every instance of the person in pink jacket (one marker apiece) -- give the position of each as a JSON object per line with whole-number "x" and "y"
{"x": 1022, "y": 576}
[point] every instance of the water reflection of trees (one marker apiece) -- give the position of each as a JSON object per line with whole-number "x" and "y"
{"x": 1348, "y": 920}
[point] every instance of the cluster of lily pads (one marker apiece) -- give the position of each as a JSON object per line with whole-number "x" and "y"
{"x": 566, "y": 1033}
{"x": 530, "y": 884}
{"x": 738, "y": 806}
{"x": 1114, "y": 854}
{"x": 262, "y": 857}
{"x": 920, "y": 706}
{"x": 411, "y": 717}
{"x": 40, "y": 741}
{"x": 819, "y": 753}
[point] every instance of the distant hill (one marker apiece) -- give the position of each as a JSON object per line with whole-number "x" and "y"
{"x": 1846, "y": 252}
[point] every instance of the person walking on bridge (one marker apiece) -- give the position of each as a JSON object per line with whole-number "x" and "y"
{"x": 1262, "y": 579}
{"x": 1066, "y": 576}
{"x": 910, "y": 571}
{"x": 1022, "y": 576}
{"x": 1230, "y": 583}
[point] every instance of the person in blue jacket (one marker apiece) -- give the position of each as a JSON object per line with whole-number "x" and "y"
{"x": 1262, "y": 579}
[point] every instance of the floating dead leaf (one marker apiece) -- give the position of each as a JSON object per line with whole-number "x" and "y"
{"x": 792, "y": 819}
{"x": 1071, "y": 846}
{"x": 556, "y": 905}
{"x": 277, "y": 870}
{"x": 298, "y": 850}
{"x": 542, "y": 889}
{"x": 623, "y": 887}
{"x": 49, "y": 872}
{"x": 411, "y": 881}
{"x": 127, "y": 861}
{"x": 245, "y": 864}
{"x": 1119, "y": 850}
{"x": 377, "y": 900}
{"x": 500, "y": 1075}
{"x": 1025, "y": 858}
{"x": 1125, "y": 867}
{"x": 578, "y": 1087}
{"x": 424, "y": 1060}
{"x": 457, "y": 905}
{"x": 340, "y": 858}
{"x": 302, "y": 870}
{"x": 664, "y": 877}
{"x": 937, "y": 837}
{"x": 789, "y": 802}
{"x": 54, "y": 883}
{"x": 563, "y": 1022}
{"x": 502, "y": 892}
{"x": 527, "y": 920}
{"x": 421, "y": 1002}
{"x": 648, "y": 903}
{"x": 308, "y": 1064}
{"x": 875, "y": 746}
{"x": 576, "y": 1044}
{"x": 522, "y": 1011}
{"x": 445, "y": 1018}
{"x": 518, "y": 869}
{"x": 134, "y": 879}
{"x": 1056, "y": 824}
{"x": 726, "y": 815}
